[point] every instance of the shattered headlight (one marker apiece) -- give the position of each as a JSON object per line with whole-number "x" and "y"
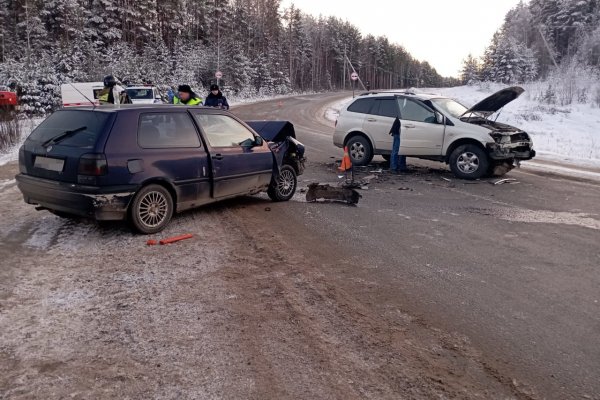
{"x": 500, "y": 138}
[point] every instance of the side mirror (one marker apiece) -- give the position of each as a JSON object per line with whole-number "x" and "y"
{"x": 258, "y": 141}
{"x": 439, "y": 118}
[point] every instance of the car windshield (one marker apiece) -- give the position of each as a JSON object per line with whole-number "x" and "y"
{"x": 138, "y": 94}
{"x": 450, "y": 106}
{"x": 85, "y": 126}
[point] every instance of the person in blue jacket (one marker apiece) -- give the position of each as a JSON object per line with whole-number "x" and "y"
{"x": 216, "y": 99}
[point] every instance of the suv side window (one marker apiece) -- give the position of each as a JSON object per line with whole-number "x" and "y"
{"x": 415, "y": 111}
{"x": 167, "y": 130}
{"x": 386, "y": 108}
{"x": 222, "y": 130}
{"x": 362, "y": 106}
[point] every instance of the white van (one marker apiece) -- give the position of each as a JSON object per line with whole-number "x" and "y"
{"x": 80, "y": 94}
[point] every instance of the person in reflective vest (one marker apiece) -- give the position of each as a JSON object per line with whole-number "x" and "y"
{"x": 112, "y": 93}
{"x": 186, "y": 96}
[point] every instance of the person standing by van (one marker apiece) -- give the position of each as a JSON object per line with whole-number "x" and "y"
{"x": 397, "y": 162}
{"x": 110, "y": 94}
{"x": 187, "y": 97}
{"x": 216, "y": 99}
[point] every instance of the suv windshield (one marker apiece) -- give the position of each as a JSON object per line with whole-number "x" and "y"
{"x": 450, "y": 106}
{"x": 85, "y": 126}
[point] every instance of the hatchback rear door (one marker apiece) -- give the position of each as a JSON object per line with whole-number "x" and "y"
{"x": 54, "y": 148}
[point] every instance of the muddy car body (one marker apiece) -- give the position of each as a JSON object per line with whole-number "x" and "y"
{"x": 146, "y": 163}
{"x": 437, "y": 128}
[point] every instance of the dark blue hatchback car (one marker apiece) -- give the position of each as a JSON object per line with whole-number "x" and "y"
{"x": 145, "y": 163}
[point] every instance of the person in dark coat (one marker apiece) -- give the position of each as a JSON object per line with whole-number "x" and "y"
{"x": 216, "y": 99}
{"x": 397, "y": 162}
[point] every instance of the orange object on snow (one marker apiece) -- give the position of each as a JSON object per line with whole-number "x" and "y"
{"x": 151, "y": 242}
{"x": 176, "y": 238}
{"x": 346, "y": 163}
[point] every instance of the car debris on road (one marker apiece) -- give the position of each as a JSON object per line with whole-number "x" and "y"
{"x": 327, "y": 192}
{"x": 503, "y": 181}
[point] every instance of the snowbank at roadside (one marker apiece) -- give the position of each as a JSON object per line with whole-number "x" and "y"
{"x": 12, "y": 153}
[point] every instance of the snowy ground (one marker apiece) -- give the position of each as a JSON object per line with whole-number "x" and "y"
{"x": 569, "y": 134}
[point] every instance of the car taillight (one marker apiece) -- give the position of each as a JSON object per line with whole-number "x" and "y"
{"x": 92, "y": 165}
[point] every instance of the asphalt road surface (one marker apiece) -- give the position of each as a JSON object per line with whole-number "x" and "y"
{"x": 430, "y": 287}
{"x": 514, "y": 267}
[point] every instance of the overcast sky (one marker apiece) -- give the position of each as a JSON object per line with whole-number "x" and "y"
{"x": 442, "y": 32}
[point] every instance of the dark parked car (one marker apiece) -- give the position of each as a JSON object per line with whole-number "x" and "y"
{"x": 145, "y": 163}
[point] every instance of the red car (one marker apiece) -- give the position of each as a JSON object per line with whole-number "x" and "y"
{"x": 8, "y": 101}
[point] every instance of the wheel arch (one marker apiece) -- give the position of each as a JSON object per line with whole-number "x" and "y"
{"x": 352, "y": 134}
{"x": 461, "y": 142}
{"x": 161, "y": 182}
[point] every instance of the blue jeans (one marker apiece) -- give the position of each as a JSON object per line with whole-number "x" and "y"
{"x": 397, "y": 162}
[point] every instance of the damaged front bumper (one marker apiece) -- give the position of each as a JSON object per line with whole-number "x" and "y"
{"x": 100, "y": 203}
{"x": 511, "y": 151}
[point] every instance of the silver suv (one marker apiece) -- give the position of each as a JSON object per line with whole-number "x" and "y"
{"x": 435, "y": 128}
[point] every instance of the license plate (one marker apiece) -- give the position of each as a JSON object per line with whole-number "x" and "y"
{"x": 51, "y": 164}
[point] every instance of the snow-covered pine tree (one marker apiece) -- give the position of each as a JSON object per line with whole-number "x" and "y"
{"x": 470, "y": 72}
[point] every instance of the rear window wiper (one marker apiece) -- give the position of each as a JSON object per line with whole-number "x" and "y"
{"x": 62, "y": 136}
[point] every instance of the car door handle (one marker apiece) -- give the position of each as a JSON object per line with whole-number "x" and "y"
{"x": 217, "y": 157}
{"x": 371, "y": 120}
{"x": 409, "y": 126}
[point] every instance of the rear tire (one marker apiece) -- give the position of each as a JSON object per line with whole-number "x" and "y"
{"x": 469, "y": 162}
{"x": 283, "y": 186}
{"x": 360, "y": 150}
{"x": 151, "y": 209}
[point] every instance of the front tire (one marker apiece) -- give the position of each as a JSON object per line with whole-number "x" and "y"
{"x": 469, "y": 162}
{"x": 151, "y": 209}
{"x": 283, "y": 186}
{"x": 360, "y": 150}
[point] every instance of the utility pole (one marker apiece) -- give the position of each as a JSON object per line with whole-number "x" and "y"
{"x": 353, "y": 70}
{"x": 218, "y": 41}
{"x": 547, "y": 47}
{"x": 344, "y": 68}
{"x": 28, "y": 40}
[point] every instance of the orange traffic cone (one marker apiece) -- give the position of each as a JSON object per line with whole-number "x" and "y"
{"x": 346, "y": 163}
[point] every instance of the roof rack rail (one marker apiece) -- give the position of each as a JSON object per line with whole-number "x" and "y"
{"x": 390, "y": 92}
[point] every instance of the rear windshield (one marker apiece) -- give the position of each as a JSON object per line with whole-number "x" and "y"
{"x": 89, "y": 126}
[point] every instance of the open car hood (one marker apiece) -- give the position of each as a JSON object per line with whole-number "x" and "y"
{"x": 495, "y": 102}
{"x": 273, "y": 131}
